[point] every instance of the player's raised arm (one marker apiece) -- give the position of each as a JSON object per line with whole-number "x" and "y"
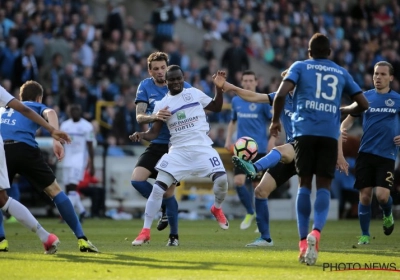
{"x": 149, "y": 135}
{"x": 247, "y": 95}
{"x": 29, "y": 113}
{"x": 216, "y": 104}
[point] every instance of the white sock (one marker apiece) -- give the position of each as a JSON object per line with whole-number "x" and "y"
{"x": 220, "y": 189}
{"x": 79, "y": 205}
{"x": 22, "y": 214}
{"x": 153, "y": 205}
{"x": 72, "y": 195}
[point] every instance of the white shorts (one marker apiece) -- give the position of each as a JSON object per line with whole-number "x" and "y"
{"x": 191, "y": 161}
{"x": 72, "y": 175}
{"x": 4, "y": 183}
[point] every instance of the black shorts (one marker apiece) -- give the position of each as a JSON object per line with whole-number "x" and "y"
{"x": 238, "y": 171}
{"x": 316, "y": 155}
{"x": 151, "y": 156}
{"x": 282, "y": 172}
{"x": 28, "y": 161}
{"x": 374, "y": 171}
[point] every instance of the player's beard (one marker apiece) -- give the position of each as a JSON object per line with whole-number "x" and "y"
{"x": 160, "y": 81}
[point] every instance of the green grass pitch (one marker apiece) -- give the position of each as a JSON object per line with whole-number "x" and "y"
{"x": 206, "y": 252}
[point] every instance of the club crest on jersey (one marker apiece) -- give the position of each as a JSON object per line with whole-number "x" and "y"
{"x": 389, "y": 102}
{"x": 164, "y": 164}
{"x": 181, "y": 115}
{"x": 252, "y": 106}
{"x": 187, "y": 97}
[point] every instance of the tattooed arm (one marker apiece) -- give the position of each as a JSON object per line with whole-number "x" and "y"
{"x": 143, "y": 118}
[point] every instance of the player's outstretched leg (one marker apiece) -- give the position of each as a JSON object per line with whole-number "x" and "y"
{"x": 246, "y": 166}
{"x": 22, "y": 214}
{"x": 67, "y": 213}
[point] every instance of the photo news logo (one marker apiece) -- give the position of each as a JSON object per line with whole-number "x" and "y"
{"x": 333, "y": 267}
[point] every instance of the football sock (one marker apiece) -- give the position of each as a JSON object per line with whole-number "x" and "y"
{"x": 67, "y": 212}
{"x": 268, "y": 161}
{"x": 143, "y": 187}
{"x": 220, "y": 189}
{"x": 245, "y": 198}
{"x": 2, "y": 232}
{"x": 364, "y": 216}
{"x": 77, "y": 202}
{"x": 172, "y": 213}
{"x": 262, "y": 217}
{"x": 22, "y": 214}
{"x": 72, "y": 195}
{"x": 153, "y": 205}
{"x": 321, "y": 208}
{"x": 387, "y": 207}
{"x": 303, "y": 211}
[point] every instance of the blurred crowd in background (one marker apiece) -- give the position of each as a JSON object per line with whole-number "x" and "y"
{"x": 81, "y": 60}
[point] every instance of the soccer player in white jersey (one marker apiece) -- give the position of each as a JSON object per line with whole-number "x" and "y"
{"x": 190, "y": 153}
{"x": 75, "y": 161}
{"x": 16, "y": 209}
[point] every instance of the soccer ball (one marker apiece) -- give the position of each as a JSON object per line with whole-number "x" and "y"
{"x": 245, "y": 148}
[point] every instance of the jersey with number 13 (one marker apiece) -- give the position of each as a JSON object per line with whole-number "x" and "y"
{"x": 320, "y": 84}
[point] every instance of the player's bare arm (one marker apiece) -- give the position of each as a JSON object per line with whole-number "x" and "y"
{"x": 51, "y": 116}
{"x": 149, "y": 135}
{"x": 143, "y": 118}
{"x": 30, "y": 114}
{"x": 341, "y": 162}
{"x": 247, "y": 95}
{"x": 279, "y": 102}
{"x": 359, "y": 105}
{"x": 346, "y": 125}
{"x": 216, "y": 104}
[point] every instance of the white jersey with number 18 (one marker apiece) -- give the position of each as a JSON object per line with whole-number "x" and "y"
{"x": 188, "y": 124}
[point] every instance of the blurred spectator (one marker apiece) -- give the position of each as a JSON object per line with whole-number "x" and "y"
{"x": 235, "y": 59}
{"x": 114, "y": 20}
{"x": 8, "y": 55}
{"x": 163, "y": 20}
{"x": 25, "y": 67}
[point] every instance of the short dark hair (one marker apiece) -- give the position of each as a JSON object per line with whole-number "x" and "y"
{"x": 30, "y": 91}
{"x": 385, "y": 63}
{"x": 157, "y": 56}
{"x": 319, "y": 46}
{"x": 173, "y": 68}
{"x": 249, "y": 72}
